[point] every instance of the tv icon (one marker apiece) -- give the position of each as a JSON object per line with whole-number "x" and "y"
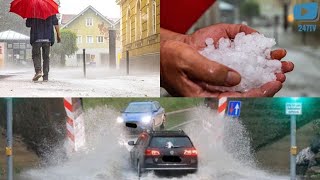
{"x": 306, "y": 11}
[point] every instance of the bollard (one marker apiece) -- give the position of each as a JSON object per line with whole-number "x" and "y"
{"x": 127, "y": 62}
{"x": 222, "y": 106}
{"x": 9, "y": 140}
{"x": 84, "y": 63}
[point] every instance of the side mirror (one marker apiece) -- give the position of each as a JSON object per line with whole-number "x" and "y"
{"x": 131, "y": 143}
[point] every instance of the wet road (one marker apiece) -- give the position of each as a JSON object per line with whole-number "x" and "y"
{"x": 226, "y": 158}
{"x": 70, "y": 83}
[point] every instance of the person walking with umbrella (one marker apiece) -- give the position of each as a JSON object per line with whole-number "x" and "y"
{"x": 41, "y": 18}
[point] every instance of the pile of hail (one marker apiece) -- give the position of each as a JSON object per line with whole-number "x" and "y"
{"x": 249, "y": 55}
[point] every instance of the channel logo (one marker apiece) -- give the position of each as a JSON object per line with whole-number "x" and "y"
{"x": 306, "y": 11}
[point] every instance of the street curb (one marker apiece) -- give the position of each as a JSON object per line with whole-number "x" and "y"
{"x": 182, "y": 124}
{"x": 180, "y": 111}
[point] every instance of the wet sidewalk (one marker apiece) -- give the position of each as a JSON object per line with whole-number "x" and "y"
{"x": 294, "y": 41}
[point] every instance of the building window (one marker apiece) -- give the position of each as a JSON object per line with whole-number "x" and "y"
{"x": 89, "y": 22}
{"x": 79, "y": 39}
{"x": 100, "y": 39}
{"x": 154, "y": 16}
{"x": 89, "y": 39}
{"x": 138, "y": 20}
{"x": 128, "y": 26}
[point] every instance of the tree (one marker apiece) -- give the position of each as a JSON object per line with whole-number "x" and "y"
{"x": 249, "y": 9}
{"x": 10, "y": 20}
{"x": 67, "y": 47}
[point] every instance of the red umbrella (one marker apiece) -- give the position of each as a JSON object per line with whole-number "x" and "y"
{"x": 41, "y": 9}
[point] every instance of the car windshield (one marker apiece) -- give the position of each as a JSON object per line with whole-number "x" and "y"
{"x": 170, "y": 142}
{"x": 138, "y": 108}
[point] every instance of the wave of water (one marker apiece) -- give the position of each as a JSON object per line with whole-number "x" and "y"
{"x": 222, "y": 143}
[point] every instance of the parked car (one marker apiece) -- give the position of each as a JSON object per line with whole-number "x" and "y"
{"x": 139, "y": 116}
{"x": 164, "y": 151}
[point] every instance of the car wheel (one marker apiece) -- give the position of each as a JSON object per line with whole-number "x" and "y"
{"x": 138, "y": 169}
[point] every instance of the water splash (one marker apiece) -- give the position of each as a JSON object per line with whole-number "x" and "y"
{"x": 223, "y": 154}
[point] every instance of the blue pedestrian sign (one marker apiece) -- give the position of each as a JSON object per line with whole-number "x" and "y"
{"x": 234, "y": 108}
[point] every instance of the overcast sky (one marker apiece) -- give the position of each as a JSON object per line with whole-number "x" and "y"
{"x": 108, "y": 8}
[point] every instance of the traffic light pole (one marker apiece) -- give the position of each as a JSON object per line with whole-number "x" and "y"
{"x": 9, "y": 140}
{"x": 293, "y": 150}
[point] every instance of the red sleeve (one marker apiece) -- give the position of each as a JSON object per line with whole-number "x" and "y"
{"x": 180, "y": 15}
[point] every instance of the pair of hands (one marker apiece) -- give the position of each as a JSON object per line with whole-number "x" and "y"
{"x": 185, "y": 72}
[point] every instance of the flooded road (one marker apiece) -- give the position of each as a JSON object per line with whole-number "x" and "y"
{"x": 222, "y": 143}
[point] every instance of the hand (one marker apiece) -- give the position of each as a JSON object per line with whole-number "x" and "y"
{"x": 197, "y": 40}
{"x": 267, "y": 90}
{"x": 179, "y": 82}
{"x": 58, "y": 38}
{"x": 183, "y": 68}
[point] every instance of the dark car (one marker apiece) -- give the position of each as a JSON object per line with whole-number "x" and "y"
{"x": 147, "y": 115}
{"x": 164, "y": 151}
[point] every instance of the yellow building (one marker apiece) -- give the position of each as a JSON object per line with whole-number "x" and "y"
{"x": 140, "y": 32}
{"x": 92, "y": 29}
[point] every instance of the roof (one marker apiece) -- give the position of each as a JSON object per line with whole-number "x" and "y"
{"x": 12, "y": 35}
{"x": 66, "y": 18}
{"x": 114, "y": 20}
{"x": 82, "y": 12}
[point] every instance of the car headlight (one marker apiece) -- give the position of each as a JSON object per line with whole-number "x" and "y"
{"x": 146, "y": 119}
{"x": 119, "y": 119}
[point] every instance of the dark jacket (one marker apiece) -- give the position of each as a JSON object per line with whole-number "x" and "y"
{"x": 42, "y": 29}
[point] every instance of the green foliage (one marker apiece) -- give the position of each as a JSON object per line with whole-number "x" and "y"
{"x": 266, "y": 121}
{"x": 249, "y": 9}
{"x": 316, "y": 126}
{"x": 67, "y": 47}
{"x": 170, "y": 104}
{"x": 10, "y": 20}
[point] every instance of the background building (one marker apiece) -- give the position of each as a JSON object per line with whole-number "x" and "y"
{"x": 15, "y": 49}
{"x": 92, "y": 29}
{"x": 140, "y": 33}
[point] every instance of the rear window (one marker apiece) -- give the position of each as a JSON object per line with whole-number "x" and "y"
{"x": 138, "y": 108}
{"x": 170, "y": 142}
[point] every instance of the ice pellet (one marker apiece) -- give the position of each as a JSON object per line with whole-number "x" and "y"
{"x": 249, "y": 55}
{"x": 209, "y": 41}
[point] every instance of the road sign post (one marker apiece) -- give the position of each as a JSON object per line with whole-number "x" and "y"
{"x": 234, "y": 108}
{"x": 293, "y": 109}
{"x": 9, "y": 140}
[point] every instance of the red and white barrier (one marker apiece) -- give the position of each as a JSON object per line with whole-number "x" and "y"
{"x": 74, "y": 124}
{"x": 222, "y": 106}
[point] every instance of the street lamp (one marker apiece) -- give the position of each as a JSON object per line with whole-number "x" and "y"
{"x": 293, "y": 109}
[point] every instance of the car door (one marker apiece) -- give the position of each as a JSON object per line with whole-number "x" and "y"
{"x": 140, "y": 146}
{"x": 134, "y": 153}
